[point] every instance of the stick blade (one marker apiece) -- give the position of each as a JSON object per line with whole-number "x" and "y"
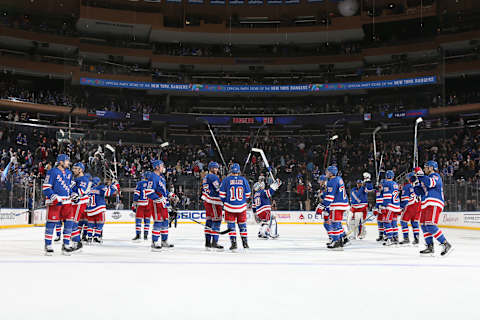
{"x": 256, "y": 150}
{"x": 109, "y": 147}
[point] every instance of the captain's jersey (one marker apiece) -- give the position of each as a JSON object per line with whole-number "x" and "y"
{"x": 408, "y": 196}
{"x": 139, "y": 195}
{"x": 58, "y": 183}
{"x": 156, "y": 187}
{"x": 336, "y": 195}
{"x": 97, "y": 197}
{"x": 234, "y": 192}
{"x": 359, "y": 196}
{"x": 211, "y": 189}
{"x": 82, "y": 188}
{"x": 434, "y": 190}
{"x": 391, "y": 196}
{"x": 262, "y": 200}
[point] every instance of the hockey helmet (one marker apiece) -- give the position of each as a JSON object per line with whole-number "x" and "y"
{"x": 156, "y": 163}
{"x": 96, "y": 181}
{"x": 62, "y": 157}
{"x": 235, "y": 168}
{"x": 79, "y": 165}
{"x": 333, "y": 170}
{"x": 433, "y": 164}
{"x": 212, "y": 165}
{"x": 389, "y": 174}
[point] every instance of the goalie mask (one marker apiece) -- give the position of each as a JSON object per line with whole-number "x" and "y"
{"x": 259, "y": 186}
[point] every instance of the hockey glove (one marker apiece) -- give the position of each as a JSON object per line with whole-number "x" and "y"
{"x": 320, "y": 208}
{"x": 53, "y": 201}
{"x": 418, "y": 172}
{"x": 74, "y": 197}
{"x": 367, "y": 177}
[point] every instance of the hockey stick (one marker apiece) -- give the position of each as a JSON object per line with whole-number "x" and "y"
{"x": 326, "y": 158}
{"x": 220, "y": 232}
{"x": 375, "y": 151}
{"x": 115, "y": 174}
{"x": 265, "y": 161}
{"x": 253, "y": 145}
{"x": 361, "y": 224}
{"x": 216, "y": 143}
{"x": 415, "y": 143}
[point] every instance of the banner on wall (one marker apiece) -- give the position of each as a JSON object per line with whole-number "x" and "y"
{"x": 313, "y": 87}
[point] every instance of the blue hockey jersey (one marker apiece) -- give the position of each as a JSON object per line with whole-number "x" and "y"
{"x": 58, "y": 184}
{"x": 391, "y": 196}
{"x": 408, "y": 196}
{"x": 434, "y": 190}
{"x": 157, "y": 187}
{"x": 359, "y": 197}
{"x": 139, "y": 195}
{"x": 234, "y": 192}
{"x": 97, "y": 197}
{"x": 336, "y": 195}
{"x": 211, "y": 189}
{"x": 262, "y": 200}
{"x": 82, "y": 188}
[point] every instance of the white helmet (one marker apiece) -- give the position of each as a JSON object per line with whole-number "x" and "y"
{"x": 259, "y": 185}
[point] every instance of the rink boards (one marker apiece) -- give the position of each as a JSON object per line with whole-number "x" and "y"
{"x": 14, "y": 218}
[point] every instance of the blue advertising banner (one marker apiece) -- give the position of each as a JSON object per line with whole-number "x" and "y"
{"x": 313, "y": 87}
{"x": 109, "y": 114}
{"x": 221, "y": 2}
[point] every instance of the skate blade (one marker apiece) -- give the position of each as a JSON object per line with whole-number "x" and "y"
{"x": 66, "y": 253}
{"x": 48, "y": 254}
{"x": 219, "y": 250}
{"x": 156, "y": 249}
{"x": 233, "y": 250}
{"x": 427, "y": 255}
{"x": 336, "y": 249}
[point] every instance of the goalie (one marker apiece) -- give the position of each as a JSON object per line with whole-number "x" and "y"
{"x": 359, "y": 203}
{"x": 262, "y": 209}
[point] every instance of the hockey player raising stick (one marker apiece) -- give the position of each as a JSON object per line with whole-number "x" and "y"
{"x": 379, "y": 211}
{"x": 79, "y": 197}
{"x": 213, "y": 206}
{"x": 159, "y": 195}
{"x": 336, "y": 200}
{"x": 410, "y": 211}
{"x": 57, "y": 191}
{"x": 430, "y": 188}
{"x": 262, "y": 207}
{"x": 359, "y": 202}
{"x": 139, "y": 206}
{"x": 97, "y": 208}
{"x": 234, "y": 192}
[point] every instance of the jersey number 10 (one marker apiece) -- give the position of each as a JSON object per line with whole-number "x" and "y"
{"x": 236, "y": 193}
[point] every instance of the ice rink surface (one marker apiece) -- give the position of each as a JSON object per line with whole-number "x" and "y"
{"x": 293, "y": 277}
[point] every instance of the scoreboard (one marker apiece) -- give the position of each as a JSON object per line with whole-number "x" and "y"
{"x": 252, "y": 120}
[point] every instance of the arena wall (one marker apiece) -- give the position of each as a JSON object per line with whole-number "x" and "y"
{"x": 14, "y": 218}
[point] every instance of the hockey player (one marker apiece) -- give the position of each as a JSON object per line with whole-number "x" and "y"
{"x": 97, "y": 208}
{"x": 262, "y": 207}
{"x": 322, "y": 181}
{"x": 379, "y": 211}
{"x": 410, "y": 211}
{"x": 159, "y": 196}
{"x": 430, "y": 187}
{"x": 234, "y": 192}
{"x": 57, "y": 190}
{"x": 359, "y": 203}
{"x": 391, "y": 203}
{"x": 336, "y": 200}
{"x": 80, "y": 197}
{"x": 139, "y": 206}
{"x": 213, "y": 206}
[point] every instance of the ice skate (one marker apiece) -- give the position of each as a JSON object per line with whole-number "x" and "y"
{"x": 415, "y": 241}
{"x": 48, "y": 250}
{"x": 66, "y": 250}
{"x": 208, "y": 245}
{"x": 97, "y": 240}
{"x": 387, "y": 242}
{"x": 405, "y": 241}
{"x": 136, "y": 238}
{"x": 166, "y": 245}
{"x": 145, "y": 236}
{"x": 447, "y": 249}
{"x": 216, "y": 247}
{"x": 336, "y": 245}
{"x": 77, "y": 246}
{"x": 156, "y": 246}
{"x": 245, "y": 243}
{"x": 233, "y": 247}
{"x": 428, "y": 251}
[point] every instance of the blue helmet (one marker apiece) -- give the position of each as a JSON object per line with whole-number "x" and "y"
{"x": 389, "y": 174}
{"x": 359, "y": 181}
{"x": 156, "y": 164}
{"x": 79, "y": 165}
{"x": 96, "y": 181}
{"x": 333, "y": 170}
{"x": 212, "y": 165}
{"x": 433, "y": 164}
{"x": 235, "y": 168}
{"x": 409, "y": 175}
{"x": 322, "y": 178}
{"x": 62, "y": 157}
{"x": 146, "y": 175}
